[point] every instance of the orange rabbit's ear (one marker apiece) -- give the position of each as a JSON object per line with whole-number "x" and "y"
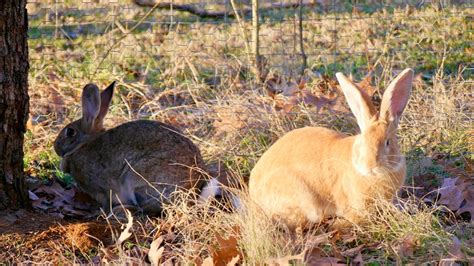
{"x": 90, "y": 106}
{"x": 358, "y": 101}
{"x": 396, "y": 96}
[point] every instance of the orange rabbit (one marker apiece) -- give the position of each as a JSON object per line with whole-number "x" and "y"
{"x": 313, "y": 173}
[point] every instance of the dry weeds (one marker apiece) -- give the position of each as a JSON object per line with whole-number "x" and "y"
{"x": 196, "y": 76}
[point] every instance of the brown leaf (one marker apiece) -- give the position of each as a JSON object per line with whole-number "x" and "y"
{"x": 451, "y": 193}
{"x": 358, "y": 259}
{"x": 407, "y": 246}
{"x": 455, "y": 248}
{"x": 353, "y": 251}
{"x": 309, "y": 256}
{"x": 314, "y": 241}
{"x": 286, "y": 260}
{"x": 366, "y": 85}
{"x": 313, "y": 256}
{"x": 468, "y": 205}
{"x": 279, "y": 85}
{"x": 226, "y": 251}
{"x": 312, "y": 100}
{"x": 302, "y": 84}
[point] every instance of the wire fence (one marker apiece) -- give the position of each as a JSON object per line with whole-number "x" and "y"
{"x": 294, "y": 35}
{"x": 216, "y": 43}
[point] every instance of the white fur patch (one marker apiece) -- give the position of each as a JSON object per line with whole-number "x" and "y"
{"x": 236, "y": 203}
{"x": 211, "y": 189}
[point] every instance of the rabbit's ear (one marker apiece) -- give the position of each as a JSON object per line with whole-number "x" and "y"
{"x": 105, "y": 99}
{"x": 358, "y": 101}
{"x": 90, "y": 106}
{"x": 396, "y": 96}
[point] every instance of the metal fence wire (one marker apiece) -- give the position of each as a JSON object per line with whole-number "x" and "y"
{"x": 222, "y": 42}
{"x": 293, "y": 35}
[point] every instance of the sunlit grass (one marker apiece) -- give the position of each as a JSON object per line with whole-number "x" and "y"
{"x": 197, "y": 77}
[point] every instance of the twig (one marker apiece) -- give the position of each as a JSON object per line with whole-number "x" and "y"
{"x": 218, "y": 14}
{"x": 242, "y": 29}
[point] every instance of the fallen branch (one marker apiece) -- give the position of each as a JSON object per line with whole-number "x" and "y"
{"x": 219, "y": 14}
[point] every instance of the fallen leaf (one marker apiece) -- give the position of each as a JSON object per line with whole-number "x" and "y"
{"x": 314, "y": 241}
{"x": 353, "y": 251}
{"x": 451, "y": 193}
{"x": 468, "y": 204}
{"x": 32, "y": 195}
{"x": 285, "y": 260}
{"x": 208, "y": 262}
{"x": 406, "y": 246}
{"x": 155, "y": 253}
{"x": 455, "y": 248}
{"x": 366, "y": 84}
{"x": 234, "y": 261}
{"x": 109, "y": 256}
{"x": 168, "y": 262}
{"x": 358, "y": 259}
{"x": 313, "y": 100}
{"x": 125, "y": 234}
{"x": 279, "y": 85}
{"x": 227, "y": 250}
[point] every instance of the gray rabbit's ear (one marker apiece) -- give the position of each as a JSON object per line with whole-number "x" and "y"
{"x": 105, "y": 100}
{"x": 90, "y": 106}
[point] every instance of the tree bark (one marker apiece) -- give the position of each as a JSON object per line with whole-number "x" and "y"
{"x": 13, "y": 101}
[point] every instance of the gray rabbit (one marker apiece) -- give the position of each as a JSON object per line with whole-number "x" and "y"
{"x": 139, "y": 163}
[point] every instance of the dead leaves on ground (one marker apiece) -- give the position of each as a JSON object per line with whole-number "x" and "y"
{"x": 324, "y": 249}
{"x": 61, "y": 202}
{"x": 321, "y": 93}
{"x": 227, "y": 250}
{"x": 80, "y": 236}
{"x": 223, "y": 251}
{"x": 457, "y": 194}
{"x": 287, "y": 95}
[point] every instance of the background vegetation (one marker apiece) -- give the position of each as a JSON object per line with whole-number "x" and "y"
{"x": 196, "y": 74}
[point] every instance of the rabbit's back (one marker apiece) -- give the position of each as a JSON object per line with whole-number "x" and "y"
{"x": 141, "y": 161}
{"x": 297, "y": 178}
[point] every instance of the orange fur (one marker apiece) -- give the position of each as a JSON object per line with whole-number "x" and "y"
{"x": 313, "y": 173}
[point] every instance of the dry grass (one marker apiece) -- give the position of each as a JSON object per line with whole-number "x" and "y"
{"x": 196, "y": 76}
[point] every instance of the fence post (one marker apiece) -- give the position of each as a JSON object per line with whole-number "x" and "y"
{"x": 255, "y": 40}
{"x": 300, "y": 29}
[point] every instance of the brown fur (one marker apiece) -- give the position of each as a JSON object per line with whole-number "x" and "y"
{"x": 139, "y": 163}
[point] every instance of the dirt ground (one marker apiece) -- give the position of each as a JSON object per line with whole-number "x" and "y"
{"x": 29, "y": 235}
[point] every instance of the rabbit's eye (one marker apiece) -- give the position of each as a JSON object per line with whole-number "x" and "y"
{"x": 70, "y": 132}
{"x": 387, "y": 143}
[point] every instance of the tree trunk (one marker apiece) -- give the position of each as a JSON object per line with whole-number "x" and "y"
{"x": 13, "y": 101}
